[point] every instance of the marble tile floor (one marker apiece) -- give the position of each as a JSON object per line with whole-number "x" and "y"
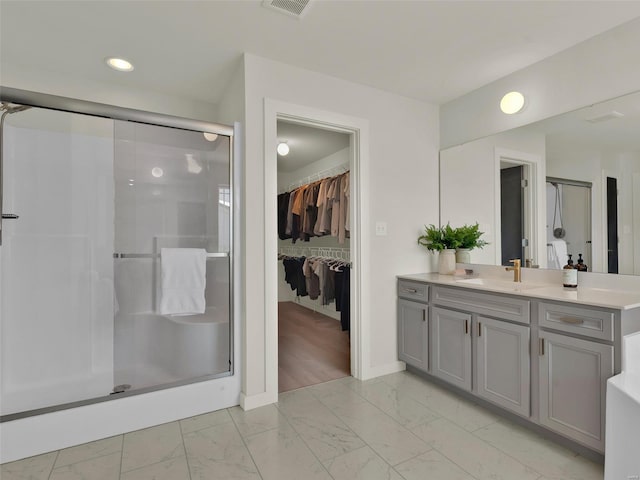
{"x": 391, "y": 428}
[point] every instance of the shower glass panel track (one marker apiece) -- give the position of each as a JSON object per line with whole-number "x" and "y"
{"x": 89, "y": 201}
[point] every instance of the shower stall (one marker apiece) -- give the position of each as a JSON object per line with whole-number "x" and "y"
{"x": 94, "y": 199}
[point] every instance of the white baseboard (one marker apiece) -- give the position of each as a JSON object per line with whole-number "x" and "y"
{"x": 386, "y": 369}
{"x": 249, "y": 402}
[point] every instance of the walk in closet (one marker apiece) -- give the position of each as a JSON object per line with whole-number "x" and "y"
{"x": 314, "y": 256}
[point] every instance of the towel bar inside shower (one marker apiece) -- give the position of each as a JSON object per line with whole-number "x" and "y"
{"x": 157, "y": 255}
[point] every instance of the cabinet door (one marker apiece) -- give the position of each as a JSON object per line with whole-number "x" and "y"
{"x": 573, "y": 380}
{"x": 503, "y": 367}
{"x": 413, "y": 333}
{"x": 451, "y": 346}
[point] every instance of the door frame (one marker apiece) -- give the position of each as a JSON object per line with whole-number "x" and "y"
{"x": 534, "y": 173}
{"x": 358, "y": 129}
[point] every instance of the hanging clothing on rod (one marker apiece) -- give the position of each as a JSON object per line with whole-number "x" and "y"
{"x": 321, "y": 277}
{"x": 316, "y": 209}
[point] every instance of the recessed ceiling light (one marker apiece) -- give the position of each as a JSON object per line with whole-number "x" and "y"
{"x": 157, "y": 172}
{"x": 283, "y": 148}
{"x": 119, "y": 64}
{"x": 512, "y": 102}
{"x": 212, "y": 137}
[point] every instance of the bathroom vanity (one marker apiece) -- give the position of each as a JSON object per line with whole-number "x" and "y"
{"x": 535, "y": 350}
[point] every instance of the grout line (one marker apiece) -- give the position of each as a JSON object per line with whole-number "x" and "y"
{"x": 184, "y": 448}
{"x": 121, "y": 455}
{"x": 53, "y": 465}
{"x": 246, "y": 446}
{"x": 305, "y": 442}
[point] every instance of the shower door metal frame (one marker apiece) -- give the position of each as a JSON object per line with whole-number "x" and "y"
{"x": 73, "y": 105}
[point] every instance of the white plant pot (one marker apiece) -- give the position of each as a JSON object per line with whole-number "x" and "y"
{"x": 463, "y": 255}
{"x": 447, "y": 261}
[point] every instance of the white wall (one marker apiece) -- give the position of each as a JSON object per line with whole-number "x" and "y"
{"x": 469, "y": 188}
{"x": 339, "y": 158}
{"x": 403, "y": 191}
{"x": 595, "y": 70}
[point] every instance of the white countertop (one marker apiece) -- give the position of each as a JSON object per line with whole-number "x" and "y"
{"x": 597, "y": 297}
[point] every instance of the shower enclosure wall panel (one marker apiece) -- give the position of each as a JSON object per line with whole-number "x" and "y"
{"x": 57, "y": 266}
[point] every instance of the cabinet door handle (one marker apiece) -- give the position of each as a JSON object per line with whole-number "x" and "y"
{"x": 424, "y": 315}
{"x": 466, "y": 327}
{"x": 575, "y": 321}
{"x": 479, "y": 329}
{"x": 541, "y": 346}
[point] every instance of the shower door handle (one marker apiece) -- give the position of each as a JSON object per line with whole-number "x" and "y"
{"x": 10, "y": 216}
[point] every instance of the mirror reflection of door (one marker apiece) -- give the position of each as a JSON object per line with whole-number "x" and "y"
{"x": 512, "y": 213}
{"x": 612, "y": 225}
{"x": 568, "y": 222}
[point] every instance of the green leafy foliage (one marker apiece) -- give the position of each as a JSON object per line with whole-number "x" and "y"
{"x": 469, "y": 236}
{"x": 440, "y": 238}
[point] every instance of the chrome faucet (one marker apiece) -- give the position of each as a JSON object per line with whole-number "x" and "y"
{"x": 516, "y": 269}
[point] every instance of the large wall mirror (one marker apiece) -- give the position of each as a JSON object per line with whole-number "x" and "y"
{"x": 567, "y": 185}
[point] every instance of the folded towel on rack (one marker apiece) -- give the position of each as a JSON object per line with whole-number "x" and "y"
{"x": 556, "y": 254}
{"x": 183, "y": 281}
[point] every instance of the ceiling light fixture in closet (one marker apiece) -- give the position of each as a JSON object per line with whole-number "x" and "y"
{"x": 283, "y": 148}
{"x": 211, "y": 137}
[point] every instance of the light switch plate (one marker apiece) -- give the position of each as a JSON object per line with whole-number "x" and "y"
{"x": 381, "y": 229}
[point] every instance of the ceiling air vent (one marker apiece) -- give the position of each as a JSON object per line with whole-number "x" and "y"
{"x": 293, "y": 8}
{"x": 605, "y": 116}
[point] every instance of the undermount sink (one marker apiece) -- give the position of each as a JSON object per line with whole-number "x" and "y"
{"x": 495, "y": 284}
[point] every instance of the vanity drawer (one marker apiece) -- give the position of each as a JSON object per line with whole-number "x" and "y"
{"x": 497, "y": 306}
{"x": 413, "y": 290}
{"x": 582, "y": 321}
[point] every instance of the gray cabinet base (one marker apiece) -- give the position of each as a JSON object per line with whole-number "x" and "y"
{"x": 565, "y": 442}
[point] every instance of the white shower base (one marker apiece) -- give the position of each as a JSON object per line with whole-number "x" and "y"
{"x": 152, "y": 349}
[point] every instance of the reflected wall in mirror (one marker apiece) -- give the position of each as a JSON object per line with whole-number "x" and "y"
{"x": 584, "y": 166}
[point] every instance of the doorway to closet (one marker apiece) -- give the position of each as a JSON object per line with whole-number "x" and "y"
{"x": 314, "y": 261}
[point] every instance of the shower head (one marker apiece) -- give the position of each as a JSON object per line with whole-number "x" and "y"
{"x": 13, "y": 107}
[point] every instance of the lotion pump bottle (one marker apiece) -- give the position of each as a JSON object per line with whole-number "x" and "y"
{"x": 569, "y": 275}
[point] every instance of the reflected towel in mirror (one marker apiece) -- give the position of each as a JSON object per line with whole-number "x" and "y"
{"x": 556, "y": 254}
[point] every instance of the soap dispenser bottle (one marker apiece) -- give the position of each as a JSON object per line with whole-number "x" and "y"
{"x": 581, "y": 266}
{"x": 569, "y": 274}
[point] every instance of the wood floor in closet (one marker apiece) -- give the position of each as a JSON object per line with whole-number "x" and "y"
{"x": 312, "y": 348}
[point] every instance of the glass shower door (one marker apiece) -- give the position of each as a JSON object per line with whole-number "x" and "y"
{"x": 172, "y": 191}
{"x": 56, "y": 292}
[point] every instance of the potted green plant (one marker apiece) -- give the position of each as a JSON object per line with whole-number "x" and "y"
{"x": 468, "y": 238}
{"x": 445, "y": 240}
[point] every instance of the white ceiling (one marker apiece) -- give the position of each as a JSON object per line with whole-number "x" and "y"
{"x": 307, "y": 144}
{"x": 429, "y": 50}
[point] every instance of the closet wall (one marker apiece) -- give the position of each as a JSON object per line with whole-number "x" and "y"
{"x": 288, "y": 180}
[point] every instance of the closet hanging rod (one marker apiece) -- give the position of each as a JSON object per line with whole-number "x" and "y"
{"x": 157, "y": 255}
{"x": 329, "y": 172}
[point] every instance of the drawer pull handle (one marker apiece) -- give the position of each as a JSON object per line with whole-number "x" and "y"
{"x": 466, "y": 327}
{"x": 575, "y": 321}
{"x": 411, "y": 290}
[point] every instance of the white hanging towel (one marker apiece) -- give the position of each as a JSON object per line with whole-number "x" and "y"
{"x": 557, "y": 254}
{"x": 183, "y": 281}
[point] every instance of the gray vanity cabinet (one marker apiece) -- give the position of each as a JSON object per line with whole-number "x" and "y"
{"x": 502, "y": 364}
{"x": 451, "y": 346}
{"x": 413, "y": 331}
{"x": 572, "y": 386}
